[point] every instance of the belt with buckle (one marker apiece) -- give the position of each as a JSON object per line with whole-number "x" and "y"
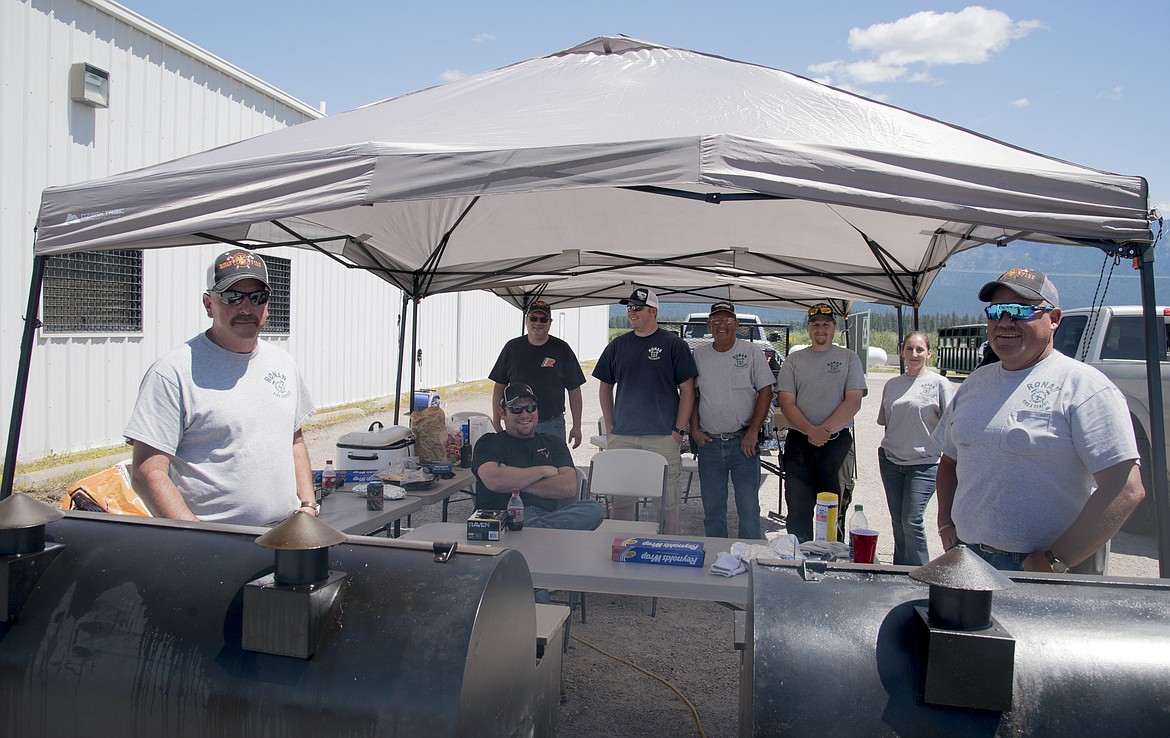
{"x": 727, "y": 436}
{"x": 993, "y": 550}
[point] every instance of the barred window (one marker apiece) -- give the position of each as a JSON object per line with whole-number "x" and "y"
{"x": 280, "y": 283}
{"x": 93, "y": 292}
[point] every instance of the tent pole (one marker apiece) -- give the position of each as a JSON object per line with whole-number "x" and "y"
{"x": 1160, "y": 491}
{"x": 31, "y": 323}
{"x": 901, "y": 337}
{"x": 413, "y": 348}
{"x": 401, "y": 349}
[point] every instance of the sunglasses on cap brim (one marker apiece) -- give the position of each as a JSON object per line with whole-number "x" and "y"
{"x": 820, "y": 310}
{"x": 1015, "y": 311}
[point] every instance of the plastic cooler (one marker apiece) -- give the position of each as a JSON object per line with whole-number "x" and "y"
{"x": 375, "y": 448}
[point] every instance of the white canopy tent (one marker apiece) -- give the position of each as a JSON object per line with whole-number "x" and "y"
{"x": 606, "y": 163}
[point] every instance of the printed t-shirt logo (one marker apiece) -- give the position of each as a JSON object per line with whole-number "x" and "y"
{"x": 654, "y": 353}
{"x": 279, "y": 384}
{"x": 1038, "y": 394}
{"x": 926, "y": 390}
{"x": 740, "y": 360}
{"x": 548, "y": 362}
{"x": 834, "y": 366}
{"x": 544, "y": 451}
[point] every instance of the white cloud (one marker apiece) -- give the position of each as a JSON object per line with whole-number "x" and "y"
{"x": 925, "y": 39}
{"x": 1117, "y": 93}
{"x": 480, "y": 38}
{"x": 450, "y": 75}
{"x": 1023, "y": 102}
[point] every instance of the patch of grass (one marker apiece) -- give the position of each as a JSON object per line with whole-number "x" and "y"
{"x": 54, "y": 460}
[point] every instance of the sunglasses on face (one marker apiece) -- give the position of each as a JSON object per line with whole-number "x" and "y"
{"x": 820, "y": 310}
{"x": 232, "y": 297}
{"x": 517, "y": 409}
{"x": 635, "y": 308}
{"x": 538, "y": 319}
{"x": 1015, "y": 311}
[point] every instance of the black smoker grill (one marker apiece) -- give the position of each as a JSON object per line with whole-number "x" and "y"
{"x": 156, "y": 628}
{"x": 862, "y": 651}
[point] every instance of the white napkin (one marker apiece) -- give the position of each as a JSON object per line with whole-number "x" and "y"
{"x": 728, "y": 565}
{"x": 778, "y": 546}
{"x": 826, "y": 550}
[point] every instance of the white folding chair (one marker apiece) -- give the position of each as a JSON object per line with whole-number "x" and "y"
{"x": 628, "y": 472}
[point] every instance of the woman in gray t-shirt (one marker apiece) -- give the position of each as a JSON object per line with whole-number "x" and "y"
{"x": 911, "y": 407}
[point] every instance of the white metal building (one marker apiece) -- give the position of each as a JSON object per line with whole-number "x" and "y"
{"x": 88, "y": 88}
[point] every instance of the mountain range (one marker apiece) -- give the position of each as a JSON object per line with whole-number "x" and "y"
{"x": 1078, "y": 273}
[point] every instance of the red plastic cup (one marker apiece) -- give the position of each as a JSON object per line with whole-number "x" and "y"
{"x": 864, "y": 545}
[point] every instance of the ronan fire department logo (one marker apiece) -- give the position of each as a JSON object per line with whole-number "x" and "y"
{"x": 279, "y": 384}
{"x": 1038, "y": 394}
{"x": 655, "y": 353}
{"x": 834, "y": 367}
{"x": 740, "y": 360}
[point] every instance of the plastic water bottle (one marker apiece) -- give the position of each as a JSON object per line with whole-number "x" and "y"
{"x": 328, "y": 477}
{"x": 856, "y": 521}
{"x": 515, "y": 511}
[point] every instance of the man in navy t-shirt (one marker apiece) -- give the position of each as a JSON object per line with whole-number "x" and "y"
{"x": 654, "y": 373}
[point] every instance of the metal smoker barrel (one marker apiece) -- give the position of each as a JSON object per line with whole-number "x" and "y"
{"x": 139, "y": 628}
{"x": 863, "y": 650}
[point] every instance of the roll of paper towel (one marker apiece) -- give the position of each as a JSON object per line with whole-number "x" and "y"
{"x": 479, "y": 426}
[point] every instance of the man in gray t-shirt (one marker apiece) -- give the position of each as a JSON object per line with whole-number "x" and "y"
{"x": 734, "y": 390}
{"x": 1039, "y": 463}
{"x": 820, "y": 388}
{"x": 216, "y": 428}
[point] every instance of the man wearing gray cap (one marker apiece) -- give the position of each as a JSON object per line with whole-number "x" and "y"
{"x": 734, "y": 389}
{"x": 216, "y": 428}
{"x": 1039, "y": 466}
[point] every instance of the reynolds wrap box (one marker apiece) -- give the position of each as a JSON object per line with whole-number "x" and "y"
{"x": 658, "y": 551}
{"x": 487, "y": 525}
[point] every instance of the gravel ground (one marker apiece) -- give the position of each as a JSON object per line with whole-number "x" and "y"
{"x": 689, "y": 644}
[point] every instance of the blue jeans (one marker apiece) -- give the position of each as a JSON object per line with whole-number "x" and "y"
{"x": 554, "y": 426}
{"x": 716, "y": 458}
{"x": 908, "y": 489}
{"x": 1002, "y": 560}
{"x": 580, "y": 515}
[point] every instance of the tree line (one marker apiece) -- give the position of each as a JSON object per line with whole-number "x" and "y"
{"x": 879, "y": 321}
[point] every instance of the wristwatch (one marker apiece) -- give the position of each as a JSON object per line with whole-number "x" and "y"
{"x": 1057, "y": 565}
{"x": 315, "y": 505}
{"x": 681, "y": 431}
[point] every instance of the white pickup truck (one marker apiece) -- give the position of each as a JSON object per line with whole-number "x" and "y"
{"x": 1112, "y": 340}
{"x": 750, "y": 329}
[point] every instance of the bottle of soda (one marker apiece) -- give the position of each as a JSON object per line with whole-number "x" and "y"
{"x": 465, "y": 450}
{"x": 328, "y": 478}
{"x": 856, "y": 521}
{"x": 515, "y": 511}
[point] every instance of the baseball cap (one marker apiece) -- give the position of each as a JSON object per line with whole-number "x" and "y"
{"x": 641, "y": 296}
{"x": 540, "y": 306}
{"x": 722, "y": 307}
{"x": 517, "y": 391}
{"x": 821, "y": 311}
{"x": 234, "y": 266}
{"x": 1027, "y": 283}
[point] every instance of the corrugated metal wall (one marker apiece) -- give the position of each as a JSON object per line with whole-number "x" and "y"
{"x": 169, "y": 98}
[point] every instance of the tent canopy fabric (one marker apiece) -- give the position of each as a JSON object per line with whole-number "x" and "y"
{"x": 615, "y": 161}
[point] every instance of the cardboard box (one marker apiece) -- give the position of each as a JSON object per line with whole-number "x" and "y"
{"x": 487, "y": 525}
{"x": 658, "y": 551}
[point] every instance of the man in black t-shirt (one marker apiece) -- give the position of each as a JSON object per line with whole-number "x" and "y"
{"x": 547, "y": 365}
{"x": 537, "y": 464}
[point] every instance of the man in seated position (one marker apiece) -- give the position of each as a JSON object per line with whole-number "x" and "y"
{"x": 537, "y": 464}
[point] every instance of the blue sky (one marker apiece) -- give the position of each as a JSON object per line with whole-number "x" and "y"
{"x": 1078, "y": 80}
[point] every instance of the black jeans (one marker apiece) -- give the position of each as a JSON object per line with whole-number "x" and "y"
{"x": 808, "y": 471}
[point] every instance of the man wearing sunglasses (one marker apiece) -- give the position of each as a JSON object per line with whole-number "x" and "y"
{"x": 1039, "y": 467}
{"x": 216, "y": 428}
{"x": 549, "y": 366}
{"x": 537, "y": 464}
{"x": 820, "y": 388}
{"x": 654, "y": 373}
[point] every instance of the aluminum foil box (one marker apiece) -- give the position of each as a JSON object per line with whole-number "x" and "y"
{"x": 658, "y": 551}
